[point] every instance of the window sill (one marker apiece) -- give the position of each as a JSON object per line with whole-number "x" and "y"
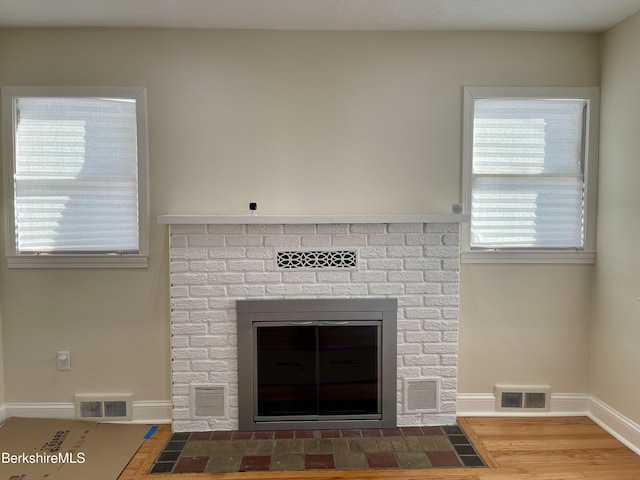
{"x": 77, "y": 261}
{"x": 568, "y": 257}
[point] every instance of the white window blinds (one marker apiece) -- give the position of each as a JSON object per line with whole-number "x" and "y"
{"x": 76, "y": 175}
{"x": 528, "y": 173}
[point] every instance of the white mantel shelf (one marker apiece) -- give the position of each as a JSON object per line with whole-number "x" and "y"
{"x": 306, "y": 219}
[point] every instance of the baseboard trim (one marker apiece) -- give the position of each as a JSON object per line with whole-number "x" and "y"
{"x": 148, "y": 412}
{"x": 476, "y": 405}
{"x": 568, "y": 405}
{"x": 624, "y": 429}
{"x": 152, "y": 411}
{"x": 484, "y": 405}
{"x": 65, "y": 411}
{"x": 468, "y": 405}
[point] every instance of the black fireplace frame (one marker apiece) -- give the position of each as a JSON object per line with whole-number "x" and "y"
{"x": 353, "y": 310}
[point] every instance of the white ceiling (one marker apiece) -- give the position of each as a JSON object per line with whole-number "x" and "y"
{"x": 520, "y": 15}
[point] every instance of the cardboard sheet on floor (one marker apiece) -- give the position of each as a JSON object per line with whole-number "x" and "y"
{"x": 45, "y": 449}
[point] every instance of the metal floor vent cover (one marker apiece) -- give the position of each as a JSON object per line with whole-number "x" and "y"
{"x": 103, "y": 407}
{"x": 518, "y": 397}
{"x": 317, "y": 259}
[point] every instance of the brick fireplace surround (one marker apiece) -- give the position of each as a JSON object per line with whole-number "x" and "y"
{"x": 216, "y": 260}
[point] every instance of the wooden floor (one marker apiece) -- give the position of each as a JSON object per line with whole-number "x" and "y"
{"x": 564, "y": 448}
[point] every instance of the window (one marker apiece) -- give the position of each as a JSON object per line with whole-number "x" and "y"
{"x": 75, "y": 173}
{"x": 529, "y": 176}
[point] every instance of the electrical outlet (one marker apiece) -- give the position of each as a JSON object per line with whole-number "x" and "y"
{"x": 64, "y": 360}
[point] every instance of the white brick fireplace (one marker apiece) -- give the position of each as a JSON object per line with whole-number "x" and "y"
{"x": 216, "y": 260}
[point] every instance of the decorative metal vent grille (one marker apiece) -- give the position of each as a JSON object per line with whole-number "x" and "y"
{"x": 317, "y": 259}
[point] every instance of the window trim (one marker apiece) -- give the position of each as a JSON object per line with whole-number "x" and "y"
{"x": 511, "y": 255}
{"x": 69, "y": 260}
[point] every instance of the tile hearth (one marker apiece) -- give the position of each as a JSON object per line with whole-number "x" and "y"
{"x": 358, "y": 449}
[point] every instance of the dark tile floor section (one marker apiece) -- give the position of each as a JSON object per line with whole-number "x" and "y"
{"x": 401, "y": 448}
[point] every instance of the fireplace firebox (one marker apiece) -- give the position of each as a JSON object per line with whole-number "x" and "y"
{"x": 317, "y": 363}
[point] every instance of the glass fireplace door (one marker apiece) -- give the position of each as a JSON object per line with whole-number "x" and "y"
{"x": 348, "y": 379}
{"x": 286, "y": 371}
{"x": 306, "y": 370}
